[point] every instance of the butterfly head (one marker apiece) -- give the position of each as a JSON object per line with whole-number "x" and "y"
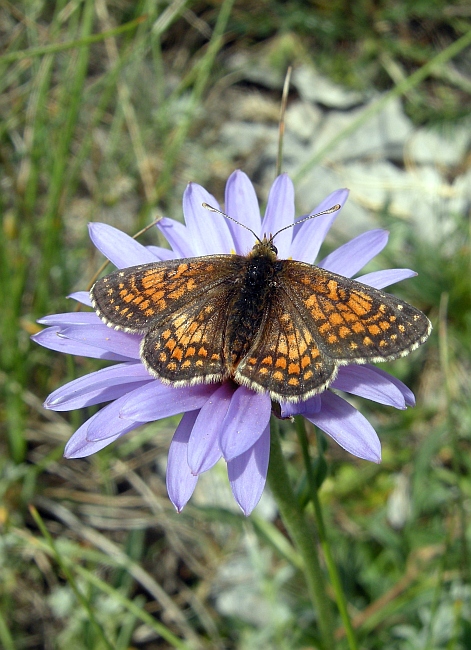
{"x": 264, "y": 248}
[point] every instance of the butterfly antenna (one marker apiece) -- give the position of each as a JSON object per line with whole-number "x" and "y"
{"x": 334, "y": 208}
{"x": 211, "y": 209}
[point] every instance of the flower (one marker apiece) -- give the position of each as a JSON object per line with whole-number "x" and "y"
{"x": 220, "y": 420}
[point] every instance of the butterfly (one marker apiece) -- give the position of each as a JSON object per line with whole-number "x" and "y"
{"x": 274, "y": 325}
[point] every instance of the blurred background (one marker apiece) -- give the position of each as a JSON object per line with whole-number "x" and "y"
{"x": 108, "y": 108}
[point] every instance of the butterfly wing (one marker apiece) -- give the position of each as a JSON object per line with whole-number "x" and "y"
{"x": 182, "y": 308}
{"x": 351, "y": 322}
{"x": 284, "y": 358}
{"x": 136, "y": 298}
{"x": 187, "y": 346}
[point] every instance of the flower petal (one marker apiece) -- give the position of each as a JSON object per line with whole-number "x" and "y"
{"x": 246, "y": 419}
{"x": 96, "y": 387}
{"x": 310, "y": 235}
{"x": 241, "y": 203}
{"x": 280, "y": 213}
{"x": 352, "y": 256}
{"x": 104, "y": 337}
{"x": 364, "y": 381}
{"x": 53, "y": 339}
{"x": 158, "y": 401}
{"x": 121, "y": 249}
{"x": 177, "y": 236}
{"x": 311, "y": 405}
{"x": 248, "y": 473}
{"x": 381, "y": 279}
{"x": 209, "y": 231}
{"x": 347, "y": 427}
{"x": 203, "y": 447}
{"x": 82, "y": 297}
{"x": 79, "y": 446}
{"x": 71, "y": 318}
{"x": 181, "y": 482}
{"x": 162, "y": 253}
{"x": 408, "y": 395}
{"x": 99, "y": 396}
{"x": 109, "y": 420}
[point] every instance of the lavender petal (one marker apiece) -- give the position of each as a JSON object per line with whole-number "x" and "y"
{"x": 121, "y": 249}
{"x": 381, "y": 279}
{"x": 162, "y": 253}
{"x": 203, "y": 446}
{"x": 82, "y": 297}
{"x": 347, "y": 427}
{"x": 53, "y": 339}
{"x": 408, "y": 395}
{"x": 177, "y": 236}
{"x": 246, "y": 419}
{"x": 209, "y": 231}
{"x": 181, "y": 482}
{"x": 352, "y": 256}
{"x": 79, "y": 446}
{"x": 365, "y": 382}
{"x": 104, "y": 337}
{"x": 77, "y": 393}
{"x": 280, "y": 213}
{"x": 158, "y": 401}
{"x": 248, "y": 473}
{"x": 108, "y": 420}
{"x": 310, "y": 235}
{"x": 311, "y": 405}
{"x": 241, "y": 203}
{"x": 70, "y": 318}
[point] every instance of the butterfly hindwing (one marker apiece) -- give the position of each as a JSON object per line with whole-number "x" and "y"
{"x": 186, "y": 346}
{"x": 284, "y": 358}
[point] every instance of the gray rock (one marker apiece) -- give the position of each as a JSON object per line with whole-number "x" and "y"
{"x": 243, "y": 138}
{"x": 318, "y": 89}
{"x": 421, "y": 198}
{"x": 302, "y": 120}
{"x": 382, "y": 135}
{"x": 258, "y": 71}
{"x": 426, "y": 147}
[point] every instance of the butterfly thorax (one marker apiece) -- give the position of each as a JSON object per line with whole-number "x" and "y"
{"x": 254, "y": 289}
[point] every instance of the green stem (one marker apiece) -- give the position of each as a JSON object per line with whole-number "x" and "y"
{"x": 331, "y": 567}
{"x": 303, "y": 537}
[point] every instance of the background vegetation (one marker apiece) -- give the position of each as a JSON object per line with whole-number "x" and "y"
{"x": 92, "y": 554}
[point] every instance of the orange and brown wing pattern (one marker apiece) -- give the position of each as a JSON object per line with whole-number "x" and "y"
{"x": 136, "y": 298}
{"x": 186, "y": 346}
{"x": 284, "y": 358}
{"x": 353, "y": 323}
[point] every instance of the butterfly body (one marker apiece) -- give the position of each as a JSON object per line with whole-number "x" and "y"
{"x": 253, "y": 291}
{"x": 279, "y": 326}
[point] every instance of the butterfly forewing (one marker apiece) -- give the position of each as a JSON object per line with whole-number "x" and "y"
{"x": 136, "y": 298}
{"x": 351, "y": 322}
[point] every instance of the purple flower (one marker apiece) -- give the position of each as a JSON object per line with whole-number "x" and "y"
{"x": 222, "y": 419}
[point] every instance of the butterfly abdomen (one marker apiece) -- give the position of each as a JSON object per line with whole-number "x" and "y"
{"x": 249, "y": 306}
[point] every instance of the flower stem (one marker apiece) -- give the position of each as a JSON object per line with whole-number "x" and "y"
{"x": 303, "y": 537}
{"x": 331, "y": 567}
